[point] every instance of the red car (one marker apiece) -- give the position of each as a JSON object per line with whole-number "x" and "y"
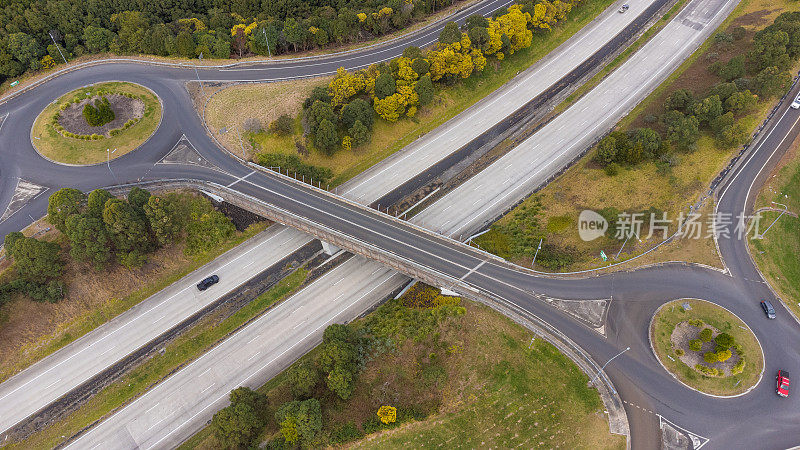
{"x": 782, "y": 383}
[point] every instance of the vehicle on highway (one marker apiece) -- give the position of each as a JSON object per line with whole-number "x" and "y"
{"x": 624, "y": 8}
{"x": 782, "y": 383}
{"x": 206, "y": 283}
{"x": 768, "y": 309}
{"x": 796, "y": 103}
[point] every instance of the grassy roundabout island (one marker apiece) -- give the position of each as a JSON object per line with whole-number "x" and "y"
{"x": 79, "y": 127}
{"x": 706, "y": 347}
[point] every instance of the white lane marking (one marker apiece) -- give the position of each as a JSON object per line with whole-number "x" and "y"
{"x": 251, "y": 340}
{"x": 207, "y": 388}
{"x": 254, "y": 355}
{"x": 162, "y": 419}
{"x": 241, "y": 178}
{"x": 204, "y": 372}
{"x": 51, "y": 384}
{"x": 151, "y": 408}
{"x": 296, "y": 326}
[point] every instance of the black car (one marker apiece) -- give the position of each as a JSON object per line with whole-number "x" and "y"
{"x": 768, "y": 309}
{"x": 205, "y": 284}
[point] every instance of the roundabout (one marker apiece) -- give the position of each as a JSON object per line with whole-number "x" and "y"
{"x": 706, "y": 347}
{"x": 81, "y": 126}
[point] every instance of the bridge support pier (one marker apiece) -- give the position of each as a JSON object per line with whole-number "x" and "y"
{"x": 329, "y": 249}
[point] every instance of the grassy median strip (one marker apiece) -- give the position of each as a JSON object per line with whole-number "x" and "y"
{"x": 178, "y": 353}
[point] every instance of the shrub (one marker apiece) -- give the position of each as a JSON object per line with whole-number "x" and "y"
{"x": 706, "y": 335}
{"x": 710, "y": 371}
{"x": 611, "y": 169}
{"x": 724, "y": 341}
{"x": 679, "y": 351}
{"x": 738, "y": 367}
{"x": 294, "y": 164}
{"x": 283, "y": 125}
{"x": 723, "y": 355}
{"x": 697, "y": 323}
{"x": 695, "y": 345}
{"x": 99, "y": 113}
{"x": 710, "y": 357}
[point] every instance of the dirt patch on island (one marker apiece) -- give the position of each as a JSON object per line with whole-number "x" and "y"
{"x": 680, "y": 338}
{"x": 125, "y": 109}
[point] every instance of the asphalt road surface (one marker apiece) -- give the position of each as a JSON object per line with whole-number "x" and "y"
{"x": 756, "y": 420}
{"x": 53, "y": 377}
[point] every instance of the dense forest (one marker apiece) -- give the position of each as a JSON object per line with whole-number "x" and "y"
{"x": 37, "y": 34}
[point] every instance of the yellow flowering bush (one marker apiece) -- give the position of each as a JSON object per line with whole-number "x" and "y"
{"x": 387, "y": 414}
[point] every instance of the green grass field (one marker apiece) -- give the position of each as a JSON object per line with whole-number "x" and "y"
{"x": 75, "y": 151}
{"x": 672, "y": 313}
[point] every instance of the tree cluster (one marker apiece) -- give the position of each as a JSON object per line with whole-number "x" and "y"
{"x": 342, "y": 115}
{"x": 238, "y": 424}
{"x": 99, "y": 113}
{"x": 37, "y": 268}
{"x": 189, "y": 29}
{"x": 744, "y": 79}
{"x": 101, "y": 227}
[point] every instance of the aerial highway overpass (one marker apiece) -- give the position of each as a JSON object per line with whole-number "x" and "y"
{"x": 173, "y": 409}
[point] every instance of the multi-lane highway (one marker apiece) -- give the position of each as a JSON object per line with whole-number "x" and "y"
{"x": 133, "y": 329}
{"x": 170, "y": 412}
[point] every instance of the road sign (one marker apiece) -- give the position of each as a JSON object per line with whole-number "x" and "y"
{"x": 14, "y": 83}
{"x": 603, "y": 255}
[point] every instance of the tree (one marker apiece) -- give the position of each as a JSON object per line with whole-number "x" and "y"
{"x": 723, "y": 355}
{"x": 476, "y": 21}
{"x": 772, "y": 81}
{"x": 739, "y": 102}
{"x": 207, "y": 230}
{"x": 450, "y": 34}
{"x": 650, "y": 141}
{"x": 11, "y": 239}
{"x": 320, "y": 111}
{"x": 706, "y": 335}
{"x": 724, "y": 341}
{"x": 734, "y": 135}
{"x": 185, "y": 45}
{"x": 710, "y": 357}
{"x": 384, "y": 86}
{"x": 607, "y": 151}
{"x": 132, "y": 29}
{"x": 731, "y": 70}
{"x": 62, "y": 204}
{"x": 695, "y": 345}
{"x": 25, "y": 48}
{"x": 300, "y": 421}
{"x": 360, "y": 133}
{"x": 236, "y": 426}
{"x": 97, "y": 202}
{"x": 357, "y": 110}
{"x": 138, "y": 197}
{"x": 340, "y": 381}
{"x": 97, "y": 39}
{"x": 681, "y": 100}
{"x": 424, "y": 89}
{"x": 37, "y": 261}
{"x": 129, "y": 232}
{"x": 283, "y": 125}
{"x": 326, "y": 138}
{"x": 682, "y": 130}
{"x": 420, "y": 66}
{"x": 708, "y": 109}
{"x": 302, "y": 380}
{"x": 165, "y": 218}
{"x": 293, "y": 32}
{"x": 89, "y": 240}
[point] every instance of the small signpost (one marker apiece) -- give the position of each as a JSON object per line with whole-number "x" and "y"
{"x": 603, "y": 255}
{"x": 14, "y": 83}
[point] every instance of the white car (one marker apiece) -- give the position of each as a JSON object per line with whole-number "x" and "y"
{"x": 624, "y": 8}
{"x": 796, "y": 103}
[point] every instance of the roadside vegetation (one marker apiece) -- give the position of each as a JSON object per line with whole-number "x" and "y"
{"x": 398, "y": 101}
{"x": 81, "y": 126}
{"x": 776, "y": 254}
{"x": 419, "y": 371}
{"x": 706, "y": 347}
{"x": 662, "y": 157}
{"x": 65, "y": 282}
{"x": 40, "y": 35}
{"x": 177, "y": 353}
